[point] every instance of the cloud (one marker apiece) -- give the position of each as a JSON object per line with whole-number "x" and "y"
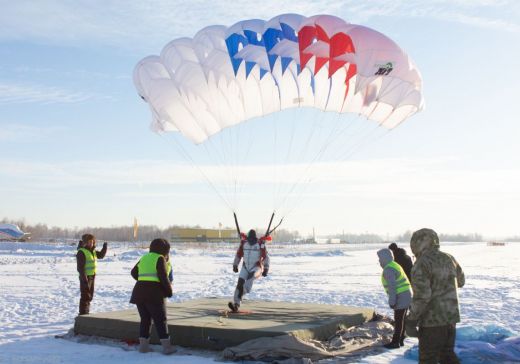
{"x": 23, "y": 94}
{"x": 426, "y": 177}
{"x": 149, "y": 25}
{"x": 76, "y": 74}
{"x": 21, "y": 133}
{"x": 371, "y": 195}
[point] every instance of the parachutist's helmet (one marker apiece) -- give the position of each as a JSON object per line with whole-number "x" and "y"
{"x": 251, "y": 235}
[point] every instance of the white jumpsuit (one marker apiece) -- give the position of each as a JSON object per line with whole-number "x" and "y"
{"x": 255, "y": 260}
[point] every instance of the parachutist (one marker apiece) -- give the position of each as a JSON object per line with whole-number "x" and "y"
{"x": 255, "y": 264}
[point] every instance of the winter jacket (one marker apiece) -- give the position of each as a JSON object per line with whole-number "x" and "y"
{"x": 153, "y": 292}
{"x": 254, "y": 253}
{"x": 435, "y": 278}
{"x": 404, "y": 260}
{"x": 397, "y": 301}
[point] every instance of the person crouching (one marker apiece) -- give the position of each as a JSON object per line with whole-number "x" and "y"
{"x": 150, "y": 290}
{"x": 399, "y": 291}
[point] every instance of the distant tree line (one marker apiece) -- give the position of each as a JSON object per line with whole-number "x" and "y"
{"x": 445, "y": 237}
{"x": 149, "y": 232}
{"x": 43, "y": 232}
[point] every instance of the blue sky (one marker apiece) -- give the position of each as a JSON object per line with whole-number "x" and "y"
{"x": 76, "y": 148}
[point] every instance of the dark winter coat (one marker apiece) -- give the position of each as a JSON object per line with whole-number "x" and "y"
{"x": 153, "y": 292}
{"x": 404, "y": 260}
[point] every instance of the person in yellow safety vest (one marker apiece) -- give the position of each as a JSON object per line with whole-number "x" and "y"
{"x": 399, "y": 291}
{"x": 86, "y": 264}
{"x": 149, "y": 293}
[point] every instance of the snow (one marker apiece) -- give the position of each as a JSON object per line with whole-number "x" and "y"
{"x": 39, "y": 293}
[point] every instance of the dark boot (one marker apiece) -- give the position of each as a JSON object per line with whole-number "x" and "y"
{"x": 392, "y": 345}
{"x": 401, "y": 341}
{"x": 84, "y": 307}
{"x": 233, "y": 307}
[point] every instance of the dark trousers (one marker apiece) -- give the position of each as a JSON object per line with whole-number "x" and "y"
{"x": 436, "y": 345}
{"x": 155, "y": 312}
{"x": 399, "y": 316}
{"x": 87, "y": 293}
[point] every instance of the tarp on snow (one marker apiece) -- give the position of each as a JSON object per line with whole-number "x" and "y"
{"x": 345, "y": 342}
{"x": 482, "y": 345}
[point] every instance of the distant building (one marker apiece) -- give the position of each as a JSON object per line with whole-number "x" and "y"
{"x": 202, "y": 235}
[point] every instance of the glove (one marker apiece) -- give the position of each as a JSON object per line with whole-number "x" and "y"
{"x": 264, "y": 273}
{"x": 105, "y": 244}
{"x": 410, "y": 326}
{"x": 235, "y": 268}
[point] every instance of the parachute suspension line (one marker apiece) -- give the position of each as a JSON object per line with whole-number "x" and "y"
{"x": 353, "y": 125}
{"x": 275, "y": 163}
{"x": 317, "y": 156}
{"x": 185, "y": 154}
{"x": 217, "y": 157}
{"x": 222, "y": 151}
{"x": 340, "y": 127}
{"x": 232, "y": 144}
{"x": 288, "y": 154}
{"x": 278, "y": 188}
{"x": 236, "y": 146}
{"x": 365, "y": 140}
{"x": 241, "y": 154}
{"x": 313, "y": 129}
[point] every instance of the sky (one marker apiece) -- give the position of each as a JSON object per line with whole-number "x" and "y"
{"x": 76, "y": 148}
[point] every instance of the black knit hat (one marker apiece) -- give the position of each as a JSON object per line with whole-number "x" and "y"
{"x": 160, "y": 246}
{"x": 392, "y": 246}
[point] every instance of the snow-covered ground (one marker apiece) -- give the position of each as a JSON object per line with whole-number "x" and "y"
{"x": 39, "y": 291}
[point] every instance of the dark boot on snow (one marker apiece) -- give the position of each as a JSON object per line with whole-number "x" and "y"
{"x": 233, "y": 307}
{"x": 392, "y": 345}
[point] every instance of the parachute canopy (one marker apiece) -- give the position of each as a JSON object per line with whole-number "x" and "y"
{"x": 10, "y": 231}
{"x": 226, "y": 75}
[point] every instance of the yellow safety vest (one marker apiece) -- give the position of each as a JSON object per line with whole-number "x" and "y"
{"x": 147, "y": 267}
{"x": 402, "y": 282}
{"x": 90, "y": 261}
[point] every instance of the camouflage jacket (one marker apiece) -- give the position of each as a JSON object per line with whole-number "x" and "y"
{"x": 435, "y": 278}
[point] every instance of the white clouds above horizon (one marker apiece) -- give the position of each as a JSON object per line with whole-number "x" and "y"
{"x": 428, "y": 177}
{"x": 374, "y": 195}
{"x": 151, "y": 24}
{"x": 23, "y": 133}
{"x": 12, "y": 93}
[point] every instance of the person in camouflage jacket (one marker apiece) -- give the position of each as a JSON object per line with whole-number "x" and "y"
{"x": 435, "y": 304}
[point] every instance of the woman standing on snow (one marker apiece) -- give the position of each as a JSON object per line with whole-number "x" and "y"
{"x": 150, "y": 290}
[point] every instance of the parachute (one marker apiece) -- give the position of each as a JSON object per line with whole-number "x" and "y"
{"x": 224, "y": 76}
